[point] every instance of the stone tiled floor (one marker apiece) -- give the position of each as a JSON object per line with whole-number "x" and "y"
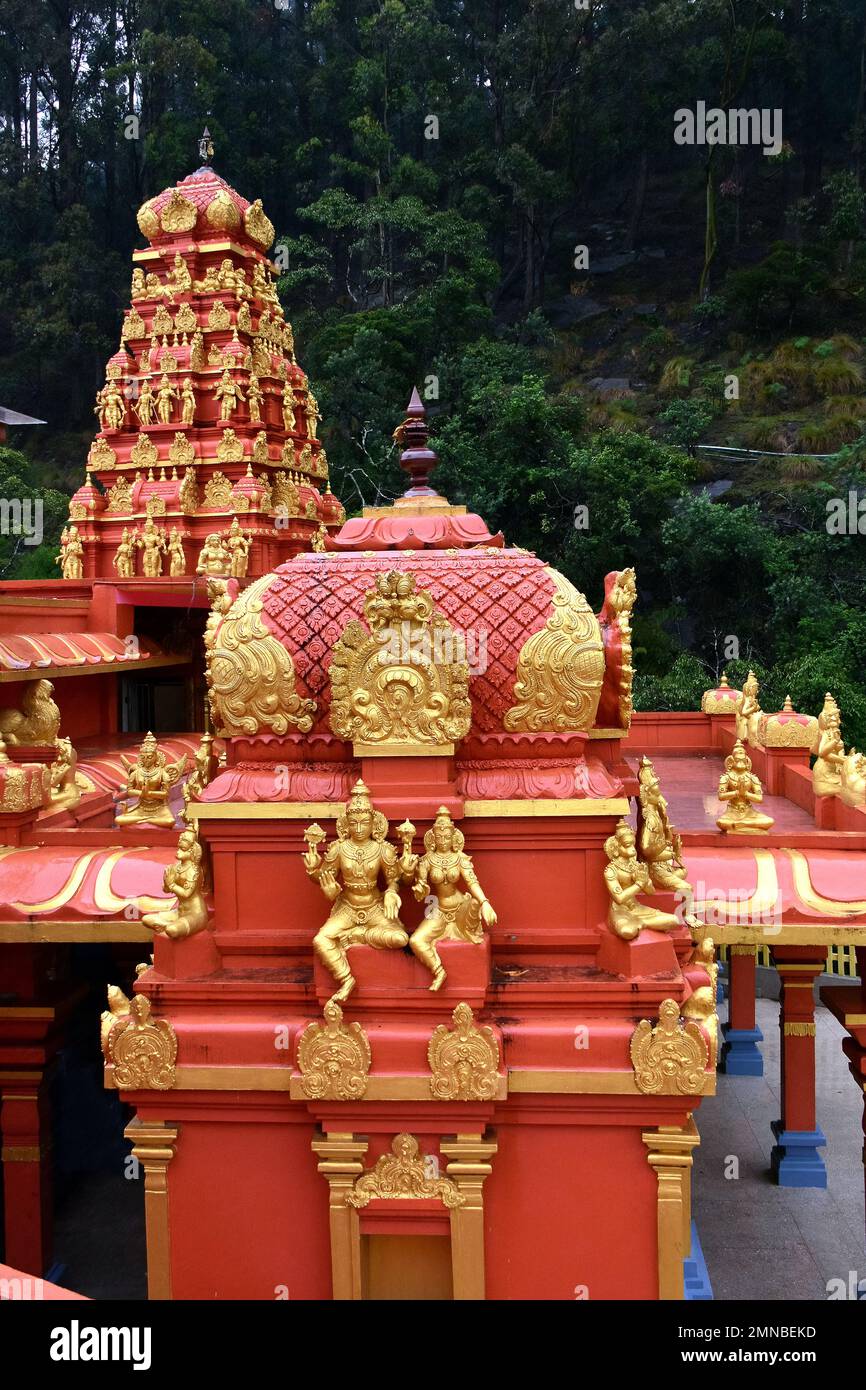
{"x": 761, "y": 1241}
{"x": 690, "y": 786}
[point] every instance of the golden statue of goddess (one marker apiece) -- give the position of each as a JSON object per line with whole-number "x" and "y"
{"x": 71, "y": 557}
{"x": 187, "y": 402}
{"x": 238, "y": 545}
{"x": 124, "y": 556}
{"x": 458, "y": 914}
{"x": 288, "y": 407}
{"x": 176, "y": 556}
{"x": 363, "y": 913}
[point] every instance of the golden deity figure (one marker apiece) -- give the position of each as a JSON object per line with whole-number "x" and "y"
{"x": 65, "y": 791}
{"x": 626, "y": 876}
{"x": 362, "y": 913}
{"x": 186, "y": 879}
{"x": 145, "y": 406}
{"x": 830, "y": 750}
{"x": 71, "y": 557}
{"x": 227, "y": 276}
{"x": 229, "y": 394}
{"x": 124, "y": 555}
{"x": 179, "y": 279}
{"x": 288, "y": 407}
{"x": 38, "y": 719}
{"x": 238, "y": 546}
{"x": 214, "y": 558}
{"x": 749, "y": 711}
{"x": 164, "y": 398}
{"x": 313, "y": 415}
{"x": 659, "y": 843}
{"x": 138, "y": 289}
{"x": 319, "y": 538}
{"x": 255, "y": 396}
{"x": 187, "y": 402}
{"x": 176, "y": 556}
{"x": 204, "y": 770}
{"x": 110, "y": 407}
{"x": 150, "y": 778}
{"x": 853, "y": 779}
{"x": 457, "y": 914}
{"x": 152, "y": 542}
{"x": 210, "y": 283}
{"x": 742, "y": 791}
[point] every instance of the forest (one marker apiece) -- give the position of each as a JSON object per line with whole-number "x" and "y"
{"x": 636, "y": 346}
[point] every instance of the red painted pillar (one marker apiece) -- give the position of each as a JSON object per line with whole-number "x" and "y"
{"x": 27, "y": 1185}
{"x": 795, "y": 1158}
{"x": 741, "y": 1056}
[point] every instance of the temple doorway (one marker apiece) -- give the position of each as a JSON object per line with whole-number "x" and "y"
{"x": 406, "y": 1267}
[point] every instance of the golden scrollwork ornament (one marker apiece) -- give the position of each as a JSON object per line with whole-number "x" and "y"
{"x": 463, "y": 1060}
{"x": 560, "y": 669}
{"x": 251, "y": 675}
{"x": 671, "y": 1057}
{"x": 143, "y": 1050}
{"x": 403, "y": 681}
{"x": 334, "y": 1057}
{"x": 178, "y": 214}
{"x": 402, "y": 1174}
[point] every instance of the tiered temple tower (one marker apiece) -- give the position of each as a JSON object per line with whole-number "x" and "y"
{"x": 205, "y": 418}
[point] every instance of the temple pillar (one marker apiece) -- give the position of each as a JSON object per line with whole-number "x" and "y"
{"x": 670, "y": 1156}
{"x": 740, "y": 1054}
{"x": 27, "y": 1186}
{"x": 795, "y": 1159}
{"x": 340, "y": 1161}
{"x": 153, "y": 1144}
{"x": 468, "y": 1165}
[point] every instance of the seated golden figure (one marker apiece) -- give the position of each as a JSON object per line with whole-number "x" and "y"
{"x": 827, "y": 769}
{"x": 215, "y": 558}
{"x": 65, "y": 791}
{"x": 151, "y": 778}
{"x": 184, "y": 878}
{"x": 458, "y": 915}
{"x": 626, "y": 876}
{"x": 362, "y": 913}
{"x": 741, "y": 789}
{"x": 660, "y": 844}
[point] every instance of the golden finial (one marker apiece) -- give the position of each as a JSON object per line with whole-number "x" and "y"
{"x": 205, "y": 147}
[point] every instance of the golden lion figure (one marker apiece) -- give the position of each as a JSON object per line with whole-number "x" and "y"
{"x": 37, "y": 721}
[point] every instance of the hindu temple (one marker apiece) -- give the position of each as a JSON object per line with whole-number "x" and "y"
{"x": 415, "y": 923}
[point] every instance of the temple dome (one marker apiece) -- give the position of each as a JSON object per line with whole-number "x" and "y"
{"x": 205, "y": 204}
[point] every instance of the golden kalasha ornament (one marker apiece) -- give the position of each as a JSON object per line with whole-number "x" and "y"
{"x": 742, "y": 791}
{"x": 143, "y": 1050}
{"x": 348, "y": 874}
{"x": 463, "y": 1060}
{"x": 229, "y": 394}
{"x": 251, "y": 675}
{"x": 459, "y": 915}
{"x": 118, "y": 1007}
{"x": 238, "y": 546}
{"x": 660, "y": 845}
{"x": 405, "y": 681}
{"x": 853, "y": 779}
{"x": 185, "y": 879}
{"x": 222, "y": 212}
{"x": 403, "y": 1174}
{"x": 150, "y": 779}
{"x": 124, "y": 555}
{"x": 701, "y": 1003}
{"x": 334, "y": 1058}
{"x": 65, "y": 791}
{"x": 152, "y": 541}
{"x": 560, "y": 670}
{"x": 787, "y": 728}
{"x": 749, "y": 711}
{"x": 214, "y": 558}
{"x": 176, "y": 556}
{"x": 670, "y": 1058}
{"x": 626, "y": 876}
{"x": 71, "y": 557}
{"x": 829, "y": 750}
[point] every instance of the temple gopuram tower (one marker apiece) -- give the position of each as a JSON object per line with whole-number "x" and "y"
{"x": 207, "y": 457}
